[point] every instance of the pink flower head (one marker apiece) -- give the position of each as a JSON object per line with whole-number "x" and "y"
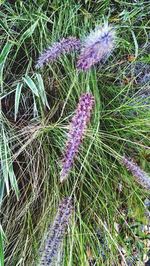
{"x": 96, "y": 47}
{"x": 56, "y": 232}
{"x": 77, "y": 128}
{"x": 64, "y": 46}
{"x": 140, "y": 176}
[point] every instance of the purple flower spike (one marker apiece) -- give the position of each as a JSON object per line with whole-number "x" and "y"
{"x": 56, "y": 232}
{"x": 96, "y": 47}
{"x": 75, "y": 135}
{"x": 64, "y": 46}
{"x": 140, "y": 176}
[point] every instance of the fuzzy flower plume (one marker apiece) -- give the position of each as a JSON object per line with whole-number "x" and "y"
{"x": 77, "y": 127}
{"x": 53, "y": 242}
{"x": 64, "y": 46}
{"x": 96, "y": 47}
{"x": 140, "y": 176}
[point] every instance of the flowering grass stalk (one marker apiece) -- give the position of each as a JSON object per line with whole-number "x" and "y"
{"x": 140, "y": 176}
{"x": 64, "y": 46}
{"x": 96, "y": 47}
{"x": 56, "y": 232}
{"x": 76, "y": 133}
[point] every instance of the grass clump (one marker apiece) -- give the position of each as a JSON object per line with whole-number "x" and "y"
{"x": 110, "y": 215}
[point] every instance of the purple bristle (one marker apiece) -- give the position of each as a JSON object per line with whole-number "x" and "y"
{"x": 76, "y": 133}
{"x": 140, "y": 176}
{"x": 96, "y": 47}
{"x": 64, "y": 46}
{"x": 56, "y": 233}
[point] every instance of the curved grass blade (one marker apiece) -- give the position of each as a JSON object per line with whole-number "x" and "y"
{"x": 28, "y": 33}
{"x": 42, "y": 90}
{"x": 30, "y": 83}
{"x": 17, "y": 98}
{"x": 9, "y": 178}
{"x": 4, "y": 53}
{"x": 1, "y": 246}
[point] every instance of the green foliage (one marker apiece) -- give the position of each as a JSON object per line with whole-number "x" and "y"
{"x": 3, "y": 56}
{"x": 2, "y": 238}
{"x": 8, "y": 177}
{"x": 36, "y": 107}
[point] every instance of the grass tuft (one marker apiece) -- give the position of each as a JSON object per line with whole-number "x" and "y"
{"x": 110, "y": 225}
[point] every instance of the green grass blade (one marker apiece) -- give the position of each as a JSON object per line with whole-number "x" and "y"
{"x": 3, "y": 157}
{"x": 4, "y": 53}
{"x": 17, "y": 98}
{"x": 1, "y": 189}
{"x": 7, "y": 166}
{"x": 28, "y": 33}
{"x": 30, "y": 83}
{"x": 2, "y": 236}
{"x": 42, "y": 90}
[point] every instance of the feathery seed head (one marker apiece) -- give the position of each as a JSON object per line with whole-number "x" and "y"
{"x": 56, "y": 232}
{"x": 64, "y": 46}
{"x": 96, "y": 47}
{"x": 140, "y": 176}
{"x": 76, "y": 133}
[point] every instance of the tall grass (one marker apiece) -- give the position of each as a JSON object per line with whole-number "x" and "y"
{"x": 36, "y": 108}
